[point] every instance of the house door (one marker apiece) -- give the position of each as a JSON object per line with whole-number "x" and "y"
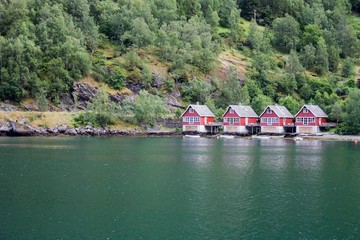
{"x": 305, "y": 121}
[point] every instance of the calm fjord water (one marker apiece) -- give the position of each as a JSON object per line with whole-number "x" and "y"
{"x": 174, "y": 188}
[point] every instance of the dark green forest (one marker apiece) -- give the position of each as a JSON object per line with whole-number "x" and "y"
{"x": 295, "y": 51}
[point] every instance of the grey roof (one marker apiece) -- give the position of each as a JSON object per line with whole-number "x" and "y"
{"x": 315, "y": 109}
{"x": 202, "y": 110}
{"x": 280, "y": 111}
{"x": 242, "y": 111}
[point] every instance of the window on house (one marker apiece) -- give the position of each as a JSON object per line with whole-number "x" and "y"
{"x": 231, "y": 111}
{"x": 191, "y": 110}
{"x": 305, "y": 110}
{"x": 269, "y": 121}
{"x": 268, "y": 110}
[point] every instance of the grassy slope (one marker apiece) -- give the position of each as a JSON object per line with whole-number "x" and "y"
{"x": 52, "y": 119}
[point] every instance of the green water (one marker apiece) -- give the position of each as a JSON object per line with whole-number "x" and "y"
{"x": 174, "y": 188}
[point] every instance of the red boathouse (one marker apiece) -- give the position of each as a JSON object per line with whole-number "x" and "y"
{"x": 309, "y": 119}
{"x": 275, "y": 118}
{"x": 237, "y": 117}
{"x": 197, "y": 118}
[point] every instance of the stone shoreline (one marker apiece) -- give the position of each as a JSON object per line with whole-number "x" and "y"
{"x": 14, "y": 129}
{"x": 332, "y": 137}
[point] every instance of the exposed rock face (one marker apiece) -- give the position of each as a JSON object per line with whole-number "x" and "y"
{"x": 169, "y": 123}
{"x": 117, "y": 97}
{"x": 83, "y": 93}
{"x": 135, "y": 88}
{"x": 7, "y": 108}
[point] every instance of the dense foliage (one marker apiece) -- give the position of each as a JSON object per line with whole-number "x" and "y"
{"x": 298, "y": 51}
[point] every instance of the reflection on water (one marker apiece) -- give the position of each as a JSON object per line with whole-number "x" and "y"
{"x": 36, "y": 146}
{"x": 174, "y": 188}
{"x": 309, "y": 154}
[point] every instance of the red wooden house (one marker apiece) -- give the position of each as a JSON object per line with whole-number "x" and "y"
{"x": 275, "y": 118}
{"x": 196, "y": 118}
{"x": 237, "y": 117}
{"x": 309, "y": 119}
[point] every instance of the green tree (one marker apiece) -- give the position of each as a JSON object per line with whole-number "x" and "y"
{"x": 139, "y": 34}
{"x": 236, "y": 30}
{"x": 293, "y": 65}
{"x": 286, "y": 33}
{"x": 116, "y": 80}
{"x": 334, "y": 58}
{"x": 321, "y": 58}
{"x": 228, "y": 8}
{"x": 352, "y": 110}
{"x": 337, "y": 112}
{"x": 308, "y": 57}
{"x": 311, "y": 35}
{"x": 348, "y": 68}
{"x": 260, "y": 102}
{"x": 187, "y": 43}
{"x": 231, "y": 91}
{"x": 196, "y": 90}
{"x": 42, "y": 101}
{"x": 189, "y": 8}
{"x": 100, "y": 111}
{"x": 257, "y": 39}
{"x": 291, "y": 103}
{"x": 147, "y": 108}
{"x": 165, "y": 11}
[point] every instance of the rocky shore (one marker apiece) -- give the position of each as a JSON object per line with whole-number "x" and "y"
{"x": 332, "y": 137}
{"x": 14, "y": 129}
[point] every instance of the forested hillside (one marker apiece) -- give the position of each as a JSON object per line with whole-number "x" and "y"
{"x": 217, "y": 52}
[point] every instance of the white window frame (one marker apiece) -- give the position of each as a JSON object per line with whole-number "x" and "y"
{"x": 191, "y": 110}
{"x": 191, "y": 120}
{"x": 305, "y": 110}
{"x": 268, "y": 110}
{"x": 306, "y": 121}
{"x": 269, "y": 121}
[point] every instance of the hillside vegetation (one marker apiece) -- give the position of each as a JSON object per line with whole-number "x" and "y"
{"x": 155, "y": 52}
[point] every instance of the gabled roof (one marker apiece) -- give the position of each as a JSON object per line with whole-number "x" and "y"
{"x": 202, "y": 110}
{"x": 280, "y": 111}
{"x": 242, "y": 111}
{"x": 315, "y": 109}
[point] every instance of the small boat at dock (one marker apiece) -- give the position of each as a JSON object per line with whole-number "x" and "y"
{"x": 192, "y": 136}
{"x": 226, "y": 136}
{"x": 260, "y": 137}
{"x": 298, "y": 138}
